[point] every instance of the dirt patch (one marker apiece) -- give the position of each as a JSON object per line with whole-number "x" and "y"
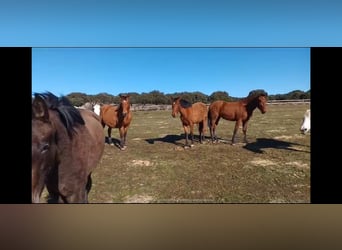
{"x": 298, "y": 164}
{"x": 141, "y": 163}
{"x": 136, "y": 139}
{"x": 287, "y": 137}
{"x": 138, "y": 199}
{"x": 261, "y": 162}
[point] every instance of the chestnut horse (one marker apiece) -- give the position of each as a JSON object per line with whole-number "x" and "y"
{"x": 240, "y": 111}
{"x": 117, "y": 117}
{"x": 191, "y": 114}
{"x": 67, "y": 144}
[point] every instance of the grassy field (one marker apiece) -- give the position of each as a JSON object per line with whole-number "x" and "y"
{"x": 274, "y": 167}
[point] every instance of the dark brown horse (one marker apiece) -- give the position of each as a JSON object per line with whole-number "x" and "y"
{"x": 239, "y": 111}
{"x": 117, "y": 117}
{"x": 191, "y": 114}
{"x": 67, "y": 144}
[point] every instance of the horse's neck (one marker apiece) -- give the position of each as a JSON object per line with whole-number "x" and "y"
{"x": 250, "y": 105}
{"x": 184, "y": 112}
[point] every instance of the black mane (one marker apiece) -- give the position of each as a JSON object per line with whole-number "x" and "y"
{"x": 254, "y": 94}
{"x": 69, "y": 115}
{"x": 184, "y": 103}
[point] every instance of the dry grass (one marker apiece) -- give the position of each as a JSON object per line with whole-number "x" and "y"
{"x": 274, "y": 167}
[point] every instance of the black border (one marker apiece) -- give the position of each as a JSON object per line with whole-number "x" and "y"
{"x": 326, "y": 70}
{"x": 16, "y": 72}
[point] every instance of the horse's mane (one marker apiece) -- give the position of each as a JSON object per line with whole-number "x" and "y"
{"x": 68, "y": 114}
{"x": 254, "y": 94}
{"x": 184, "y": 103}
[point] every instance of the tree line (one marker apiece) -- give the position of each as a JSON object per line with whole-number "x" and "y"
{"x": 159, "y": 98}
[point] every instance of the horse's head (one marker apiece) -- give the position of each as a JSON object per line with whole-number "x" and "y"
{"x": 125, "y": 104}
{"x": 305, "y": 128}
{"x": 262, "y": 103}
{"x": 43, "y": 146}
{"x": 175, "y": 106}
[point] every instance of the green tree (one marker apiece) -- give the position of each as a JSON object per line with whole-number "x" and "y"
{"x": 219, "y": 95}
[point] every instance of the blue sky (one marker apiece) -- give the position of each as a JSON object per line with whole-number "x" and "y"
{"x": 169, "y": 70}
{"x": 171, "y": 23}
{"x": 178, "y": 23}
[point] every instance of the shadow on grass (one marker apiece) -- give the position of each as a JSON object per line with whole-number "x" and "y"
{"x": 178, "y": 140}
{"x": 262, "y": 143}
{"x": 115, "y": 142}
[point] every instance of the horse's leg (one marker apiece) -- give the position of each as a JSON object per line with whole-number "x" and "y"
{"x": 110, "y": 135}
{"x": 125, "y": 136}
{"x": 122, "y": 138}
{"x": 213, "y": 129}
{"x": 205, "y": 127}
{"x": 236, "y": 128}
{"x": 210, "y": 125}
{"x": 200, "y": 130}
{"x": 192, "y": 134}
{"x": 186, "y": 135}
{"x": 244, "y": 129}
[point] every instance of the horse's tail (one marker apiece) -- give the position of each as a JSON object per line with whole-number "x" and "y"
{"x": 209, "y": 119}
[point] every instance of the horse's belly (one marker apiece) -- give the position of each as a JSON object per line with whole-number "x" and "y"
{"x": 229, "y": 117}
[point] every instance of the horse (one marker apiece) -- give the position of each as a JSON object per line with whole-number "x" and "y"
{"x": 240, "y": 111}
{"x": 93, "y": 106}
{"x": 97, "y": 108}
{"x": 117, "y": 117}
{"x": 191, "y": 114}
{"x": 67, "y": 145}
{"x": 305, "y": 127}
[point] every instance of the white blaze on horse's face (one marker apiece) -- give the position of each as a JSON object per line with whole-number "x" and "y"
{"x": 174, "y": 109}
{"x": 305, "y": 128}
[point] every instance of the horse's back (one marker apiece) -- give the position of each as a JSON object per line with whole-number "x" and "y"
{"x": 215, "y": 106}
{"x": 226, "y": 110}
{"x": 200, "y": 108}
{"x": 197, "y": 113}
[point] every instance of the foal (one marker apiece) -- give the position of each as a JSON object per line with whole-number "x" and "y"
{"x": 191, "y": 114}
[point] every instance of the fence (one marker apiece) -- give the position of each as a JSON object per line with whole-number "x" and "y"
{"x": 153, "y": 107}
{"x": 294, "y": 101}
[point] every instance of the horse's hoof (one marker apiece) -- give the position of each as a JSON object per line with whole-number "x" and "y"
{"x": 186, "y": 146}
{"x": 192, "y": 145}
{"x": 123, "y": 148}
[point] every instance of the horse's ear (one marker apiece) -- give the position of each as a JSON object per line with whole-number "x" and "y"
{"x": 39, "y": 109}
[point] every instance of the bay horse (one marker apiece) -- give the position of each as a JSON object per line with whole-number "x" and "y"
{"x": 240, "y": 111}
{"x": 191, "y": 114}
{"x": 67, "y": 144}
{"x": 117, "y": 117}
{"x": 305, "y": 127}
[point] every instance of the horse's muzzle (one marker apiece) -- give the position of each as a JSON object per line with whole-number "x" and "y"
{"x": 304, "y": 131}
